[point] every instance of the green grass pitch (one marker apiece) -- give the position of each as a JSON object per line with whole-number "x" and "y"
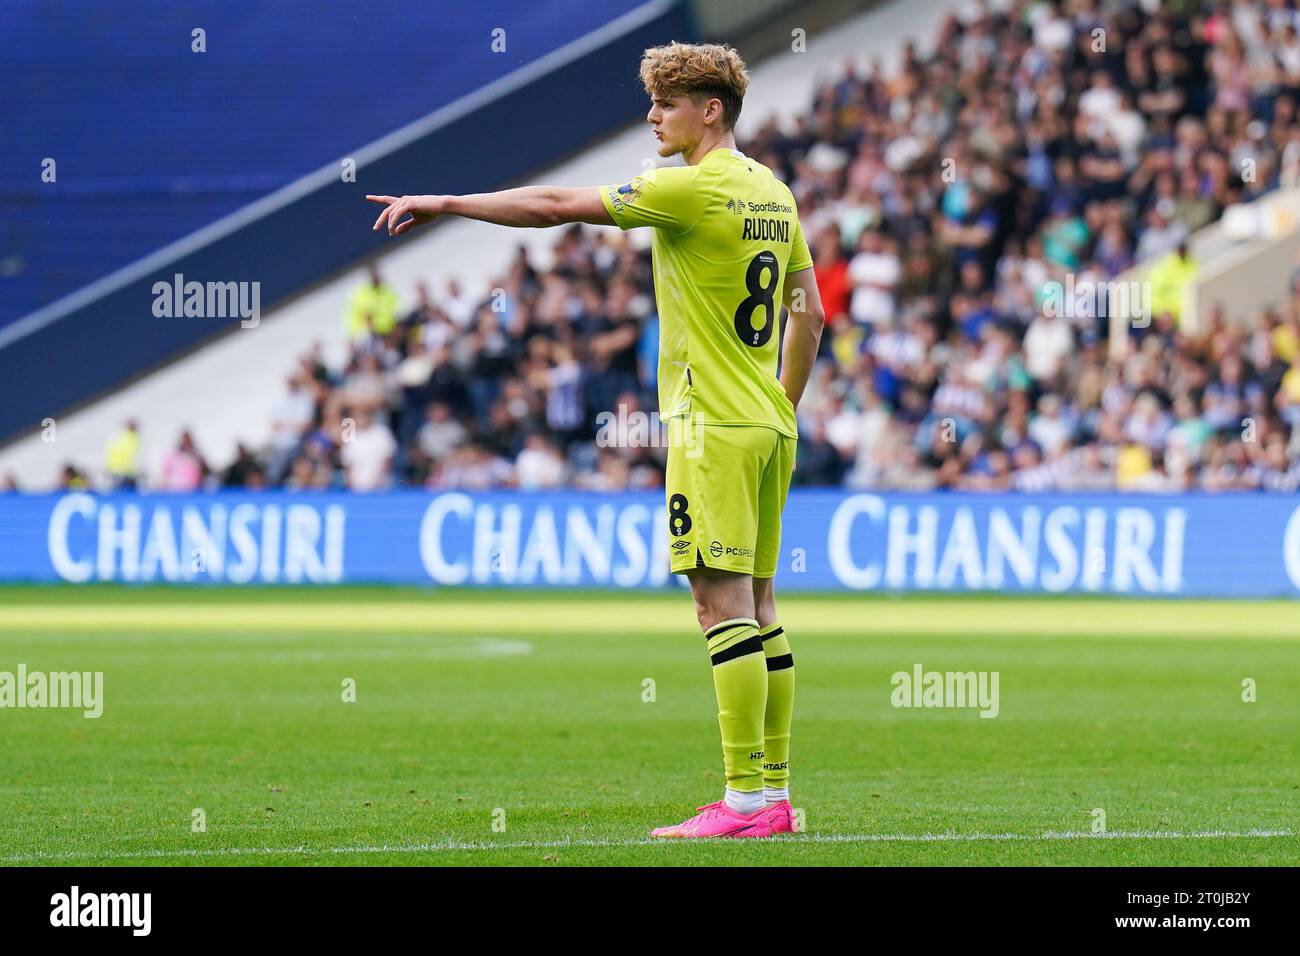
{"x": 499, "y": 727}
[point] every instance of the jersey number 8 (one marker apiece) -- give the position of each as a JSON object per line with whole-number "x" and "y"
{"x": 761, "y": 295}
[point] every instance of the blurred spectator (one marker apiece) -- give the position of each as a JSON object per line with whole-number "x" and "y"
{"x": 473, "y": 468}
{"x": 122, "y": 458}
{"x": 540, "y": 465}
{"x": 1169, "y": 280}
{"x": 73, "y": 480}
{"x": 831, "y": 270}
{"x": 238, "y": 472}
{"x": 372, "y": 309}
{"x": 182, "y": 468}
{"x": 441, "y": 433}
{"x": 290, "y": 419}
{"x": 368, "y": 454}
{"x": 874, "y": 273}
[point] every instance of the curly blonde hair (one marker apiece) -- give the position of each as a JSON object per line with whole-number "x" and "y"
{"x": 697, "y": 70}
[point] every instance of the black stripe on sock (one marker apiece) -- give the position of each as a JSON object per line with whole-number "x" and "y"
{"x": 749, "y": 646}
{"x": 710, "y": 634}
{"x": 779, "y": 630}
{"x": 780, "y": 663}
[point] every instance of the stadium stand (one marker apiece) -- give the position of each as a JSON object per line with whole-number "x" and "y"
{"x": 1036, "y": 147}
{"x": 220, "y": 114}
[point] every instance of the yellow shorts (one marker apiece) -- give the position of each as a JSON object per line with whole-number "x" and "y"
{"x": 726, "y": 487}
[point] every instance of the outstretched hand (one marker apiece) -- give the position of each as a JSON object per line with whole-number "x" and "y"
{"x": 422, "y": 209}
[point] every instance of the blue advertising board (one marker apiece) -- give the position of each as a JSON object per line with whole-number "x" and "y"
{"x": 1174, "y": 545}
{"x": 1178, "y": 545}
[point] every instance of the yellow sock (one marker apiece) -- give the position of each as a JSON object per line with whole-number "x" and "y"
{"x": 740, "y": 681}
{"x": 779, "y": 713}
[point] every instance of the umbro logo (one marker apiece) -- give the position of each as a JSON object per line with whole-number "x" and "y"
{"x": 681, "y": 547}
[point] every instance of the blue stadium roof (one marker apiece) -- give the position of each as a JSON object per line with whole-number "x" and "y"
{"x": 153, "y": 141}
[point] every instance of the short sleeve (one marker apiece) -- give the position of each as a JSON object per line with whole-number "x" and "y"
{"x": 664, "y": 198}
{"x": 800, "y": 254}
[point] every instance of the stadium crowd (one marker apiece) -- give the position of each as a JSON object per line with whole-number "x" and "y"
{"x": 1053, "y": 140}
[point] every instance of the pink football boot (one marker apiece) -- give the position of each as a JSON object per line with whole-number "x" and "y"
{"x": 781, "y": 817}
{"x": 719, "y": 820}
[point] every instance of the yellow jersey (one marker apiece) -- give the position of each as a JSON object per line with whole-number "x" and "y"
{"x": 726, "y": 237}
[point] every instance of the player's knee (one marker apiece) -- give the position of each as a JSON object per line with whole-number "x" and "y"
{"x": 711, "y": 612}
{"x": 720, "y": 597}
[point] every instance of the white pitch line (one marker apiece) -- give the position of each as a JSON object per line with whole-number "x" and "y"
{"x": 453, "y": 846}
